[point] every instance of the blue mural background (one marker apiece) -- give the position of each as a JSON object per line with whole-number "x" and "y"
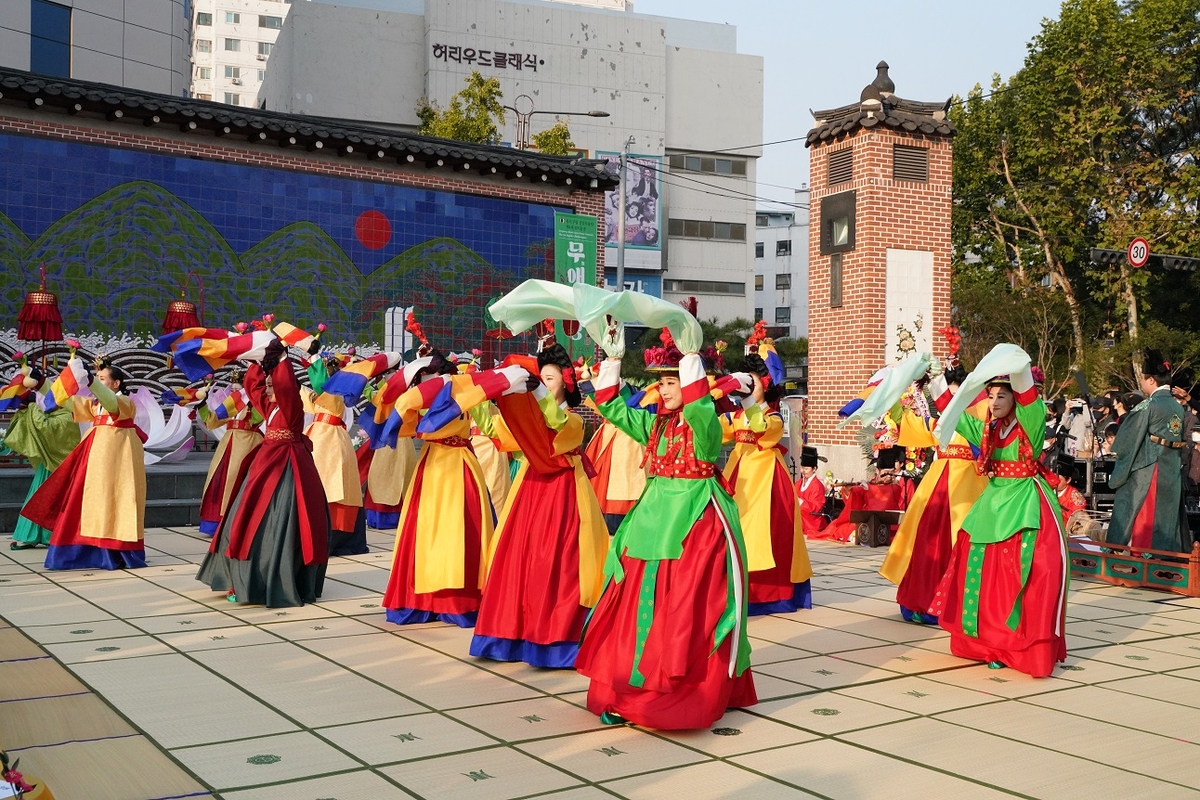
{"x": 118, "y": 230}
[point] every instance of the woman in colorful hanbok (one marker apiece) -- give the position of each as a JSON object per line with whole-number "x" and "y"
{"x": 1003, "y": 597}
{"x": 242, "y": 424}
{"x": 45, "y": 438}
{"x": 545, "y": 565}
{"x": 95, "y": 502}
{"x": 666, "y": 645}
{"x": 333, "y": 453}
{"x": 776, "y": 554}
{"x": 494, "y": 462}
{"x": 272, "y": 546}
{"x": 919, "y": 554}
{"x": 385, "y": 474}
{"x": 446, "y": 524}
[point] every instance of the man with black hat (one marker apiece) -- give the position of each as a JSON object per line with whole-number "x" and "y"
{"x": 811, "y": 492}
{"x": 1148, "y": 507}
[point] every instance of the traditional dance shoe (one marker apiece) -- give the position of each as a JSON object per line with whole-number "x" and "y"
{"x": 996, "y": 665}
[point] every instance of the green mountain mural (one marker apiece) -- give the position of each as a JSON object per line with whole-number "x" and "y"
{"x": 324, "y": 285}
{"x": 449, "y": 283}
{"x": 13, "y": 244}
{"x": 119, "y": 259}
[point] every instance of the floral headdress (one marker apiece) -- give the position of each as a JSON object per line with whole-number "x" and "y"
{"x": 414, "y": 327}
{"x": 665, "y": 358}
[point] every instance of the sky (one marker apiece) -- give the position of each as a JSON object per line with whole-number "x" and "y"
{"x": 821, "y": 54}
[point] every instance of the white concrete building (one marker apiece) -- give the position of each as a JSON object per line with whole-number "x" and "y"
{"x": 231, "y": 42}
{"x": 138, "y": 44}
{"x": 781, "y": 268}
{"x": 693, "y": 104}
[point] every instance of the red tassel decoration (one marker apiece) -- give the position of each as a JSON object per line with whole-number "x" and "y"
{"x": 181, "y": 313}
{"x": 39, "y": 319}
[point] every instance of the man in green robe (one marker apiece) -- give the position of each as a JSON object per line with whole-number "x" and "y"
{"x": 1148, "y": 508}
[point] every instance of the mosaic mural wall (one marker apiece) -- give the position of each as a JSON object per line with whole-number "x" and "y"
{"x": 119, "y": 230}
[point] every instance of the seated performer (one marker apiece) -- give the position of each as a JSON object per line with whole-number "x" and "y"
{"x": 776, "y": 554}
{"x": 811, "y": 492}
{"x": 545, "y": 563}
{"x": 44, "y": 437}
{"x": 95, "y": 502}
{"x": 272, "y": 546}
{"x": 666, "y": 646}
{"x": 1003, "y": 597}
{"x": 1148, "y": 511}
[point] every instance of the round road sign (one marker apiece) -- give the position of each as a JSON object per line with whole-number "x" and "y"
{"x": 1138, "y": 252}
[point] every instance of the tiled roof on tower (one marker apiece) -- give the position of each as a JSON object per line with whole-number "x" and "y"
{"x": 878, "y": 105}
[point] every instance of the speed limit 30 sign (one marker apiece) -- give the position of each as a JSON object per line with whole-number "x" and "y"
{"x": 1138, "y": 252}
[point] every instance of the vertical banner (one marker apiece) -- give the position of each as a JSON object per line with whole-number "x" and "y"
{"x": 574, "y": 262}
{"x": 643, "y": 211}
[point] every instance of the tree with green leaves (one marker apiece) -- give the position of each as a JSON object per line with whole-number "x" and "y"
{"x": 555, "y": 140}
{"x": 1091, "y": 143}
{"x": 475, "y": 113}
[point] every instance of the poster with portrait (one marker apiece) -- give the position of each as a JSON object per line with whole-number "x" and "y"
{"x": 643, "y": 211}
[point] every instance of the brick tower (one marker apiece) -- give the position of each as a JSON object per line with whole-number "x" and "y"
{"x": 879, "y": 249}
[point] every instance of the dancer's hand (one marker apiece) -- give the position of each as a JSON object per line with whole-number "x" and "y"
{"x": 613, "y": 340}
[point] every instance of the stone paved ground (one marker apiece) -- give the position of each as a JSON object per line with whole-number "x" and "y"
{"x": 198, "y": 697}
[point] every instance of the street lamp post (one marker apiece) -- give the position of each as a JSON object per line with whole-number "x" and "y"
{"x": 523, "y": 117}
{"x": 621, "y": 216}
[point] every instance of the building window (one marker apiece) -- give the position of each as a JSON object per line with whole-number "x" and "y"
{"x": 712, "y": 166}
{"x": 761, "y": 221}
{"x": 705, "y": 287}
{"x": 783, "y": 315}
{"x": 233, "y": 18}
{"x": 204, "y": 73}
{"x": 759, "y": 249}
{"x": 835, "y": 280}
{"x": 783, "y": 247}
{"x": 233, "y": 99}
{"x": 262, "y": 75}
{"x": 840, "y": 166}
{"x": 699, "y": 229}
{"x": 910, "y": 163}
{"x": 233, "y": 72}
{"x": 783, "y": 280}
{"x": 49, "y": 39}
{"x": 264, "y": 48}
{"x": 203, "y": 45}
{"x": 758, "y": 313}
{"x": 204, "y": 97}
{"x": 758, "y": 282}
{"x": 203, "y": 18}
{"x": 274, "y": 23}
{"x": 233, "y": 45}
{"x": 837, "y": 222}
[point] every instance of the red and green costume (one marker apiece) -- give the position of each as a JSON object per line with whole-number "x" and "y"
{"x": 666, "y": 645}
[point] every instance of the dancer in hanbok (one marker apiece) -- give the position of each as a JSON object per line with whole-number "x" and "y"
{"x": 446, "y": 526}
{"x": 494, "y": 462}
{"x": 776, "y": 554}
{"x": 1003, "y": 596}
{"x": 545, "y": 564}
{"x": 95, "y": 502}
{"x": 666, "y": 645}
{"x": 333, "y": 453}
{"x": 43, "y": 437}
{"x": 919, "y": 554}
{"x": 272, "y": 546}
{"x": 242, "y": 424}
{"x": 385, "y": 475}
{"x": 620, "y": 478}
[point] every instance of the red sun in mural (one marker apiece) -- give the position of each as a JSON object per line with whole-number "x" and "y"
{"x": 373, "y": 230}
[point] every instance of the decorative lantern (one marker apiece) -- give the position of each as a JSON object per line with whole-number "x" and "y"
{"x": 181, "y": 313}
{"x": 39, "y": 319}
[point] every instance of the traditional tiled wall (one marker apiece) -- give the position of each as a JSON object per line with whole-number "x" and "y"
{"x": 118, "y": 227}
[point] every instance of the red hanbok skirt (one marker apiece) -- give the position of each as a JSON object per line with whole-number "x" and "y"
{"x": 687, "y": 685}
{"x": 1040, "y": 638}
